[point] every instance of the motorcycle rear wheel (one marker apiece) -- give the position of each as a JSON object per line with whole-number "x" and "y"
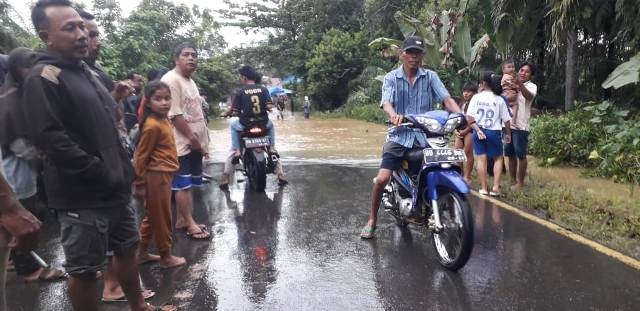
{"x": 453, "y": 244}
{"x": 256, "y": 172}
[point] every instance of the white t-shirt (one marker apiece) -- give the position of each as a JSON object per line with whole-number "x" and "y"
{"x": 489, "y": 110}
{"x": 524, "y": 107}
{"x": 186, "y": 101}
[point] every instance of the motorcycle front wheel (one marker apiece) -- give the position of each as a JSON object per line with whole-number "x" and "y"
{"x": 453, "y": 244}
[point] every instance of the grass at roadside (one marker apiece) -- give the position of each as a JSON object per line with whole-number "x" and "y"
{"x": 612, "y": 222}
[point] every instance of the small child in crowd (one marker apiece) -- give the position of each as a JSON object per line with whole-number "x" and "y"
{"x": 156, "y": 159}
{"x": 490, "y": 113}
{"x": 464, "y": 139}
{"x": 509, "y": 86}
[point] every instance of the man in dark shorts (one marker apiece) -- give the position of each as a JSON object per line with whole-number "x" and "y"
{"x": 192, "y": 137}
{"x": 87, "y": 171}
{"x": 407, "y": 89}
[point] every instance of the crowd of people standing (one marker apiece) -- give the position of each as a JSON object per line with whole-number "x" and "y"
{"x": 96, "y": 144}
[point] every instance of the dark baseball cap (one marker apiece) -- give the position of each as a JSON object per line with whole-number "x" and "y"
{"x": 413, "y": 42}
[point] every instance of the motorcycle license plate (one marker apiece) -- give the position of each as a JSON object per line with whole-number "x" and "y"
{"x": 443, "y": 155}
{"x": 253, "y": 142}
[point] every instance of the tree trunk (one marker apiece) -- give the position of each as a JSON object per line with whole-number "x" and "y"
{"x": 611, "y": 65}
{"x": 570, "y": 77}
{"x": 539, "y": 51}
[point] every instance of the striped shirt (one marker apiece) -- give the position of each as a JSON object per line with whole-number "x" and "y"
{"x": 411, "y": 99}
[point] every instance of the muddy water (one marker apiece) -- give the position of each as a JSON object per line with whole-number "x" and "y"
{"x": 353, "y": 142}
{"x": 338, "y": 141}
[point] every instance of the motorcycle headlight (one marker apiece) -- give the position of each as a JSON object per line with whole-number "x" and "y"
{"x": 430, "y": 124}
{"x": 452, "y": 124}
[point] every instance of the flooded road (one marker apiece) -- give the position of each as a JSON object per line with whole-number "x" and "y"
{"x": 336, "y": 141}
{"x": 298, "y": 248}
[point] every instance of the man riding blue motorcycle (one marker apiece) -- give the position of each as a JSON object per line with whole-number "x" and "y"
{"x": 409, "y": 89}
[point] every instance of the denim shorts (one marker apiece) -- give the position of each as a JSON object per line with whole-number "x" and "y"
{"x": 87, "y": 234}
{"x": 491, "y": 146}
{"x": 190, "y": 172}
{"x": 519, "y": 145}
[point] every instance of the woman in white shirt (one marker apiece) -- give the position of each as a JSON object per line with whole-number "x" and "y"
{"x": 491, "y": 116}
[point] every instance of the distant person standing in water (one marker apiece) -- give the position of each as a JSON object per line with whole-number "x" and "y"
{"x": 307, "y": 107}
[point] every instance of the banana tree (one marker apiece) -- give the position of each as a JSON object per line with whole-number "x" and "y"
{"x": 447, "y": 39}
{"x": 626, "y": 73}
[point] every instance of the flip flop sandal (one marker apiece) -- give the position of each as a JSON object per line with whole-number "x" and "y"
{"x": 50, "y": 275}
{"x": 165, "y": 307}
{"x": 368, "y": 232}
{"x": 495, "y": 194}
{"x": 483, "y": 192}
{"x": 146, "y": 294}
{"x": 192, "y": 235}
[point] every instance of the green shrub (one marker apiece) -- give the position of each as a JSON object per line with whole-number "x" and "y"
{"x": 360, "y": 106}
{"x": 596, "y": 136}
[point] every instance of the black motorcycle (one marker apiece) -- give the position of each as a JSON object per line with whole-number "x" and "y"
{"x": 256, "y": 158}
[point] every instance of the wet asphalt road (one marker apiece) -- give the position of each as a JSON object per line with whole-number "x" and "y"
{"x": 298, "y": 249}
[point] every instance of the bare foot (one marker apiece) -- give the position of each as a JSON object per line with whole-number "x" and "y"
{"x": 144, "y": 257}
{"x": 172, "y": 261}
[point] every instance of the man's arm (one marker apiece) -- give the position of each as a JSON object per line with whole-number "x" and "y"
{"x": 183, "y": 128}
{"x": 17, "y": 220}
{"x": 388, "y": 94}
{"x": 48, "y": 133}
{"x": 451, "y": 105}
{"x": 122, "y": 90}
{"x": 525, "y": 91}
{"x": 441, "y": 93}
{"x": 391, "y": 113}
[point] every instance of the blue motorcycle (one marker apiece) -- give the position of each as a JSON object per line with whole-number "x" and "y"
{"x": 430, "y": 183}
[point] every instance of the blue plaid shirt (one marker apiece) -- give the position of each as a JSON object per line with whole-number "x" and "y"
{"x": 407, "y": 99}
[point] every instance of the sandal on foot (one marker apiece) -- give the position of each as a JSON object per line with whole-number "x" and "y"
{"x": 495, "y": 193}
{"x": 483, "y": 192}
{"x": 368, "y": 232}
{"x": 50, "y": 275}
{"x": 146, "y": 294}
{"x": 202, "y": 234}
{"x": 165, "y": 307}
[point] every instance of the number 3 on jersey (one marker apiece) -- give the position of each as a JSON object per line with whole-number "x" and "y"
{"x": 255, "y": 100}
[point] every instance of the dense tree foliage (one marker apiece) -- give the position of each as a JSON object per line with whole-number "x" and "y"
{"x": 574, "y": 44}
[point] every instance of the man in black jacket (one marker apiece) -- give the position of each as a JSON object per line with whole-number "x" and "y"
{"x": 88, "y": 174}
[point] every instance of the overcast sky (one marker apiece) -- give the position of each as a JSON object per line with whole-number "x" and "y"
{"x": 233, "y": 35}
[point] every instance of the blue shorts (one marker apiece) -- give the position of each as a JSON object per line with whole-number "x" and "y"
{"x": 519, "y": 145}
{"x": 190, "y": 172}
{"x": 492, "y": 146}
